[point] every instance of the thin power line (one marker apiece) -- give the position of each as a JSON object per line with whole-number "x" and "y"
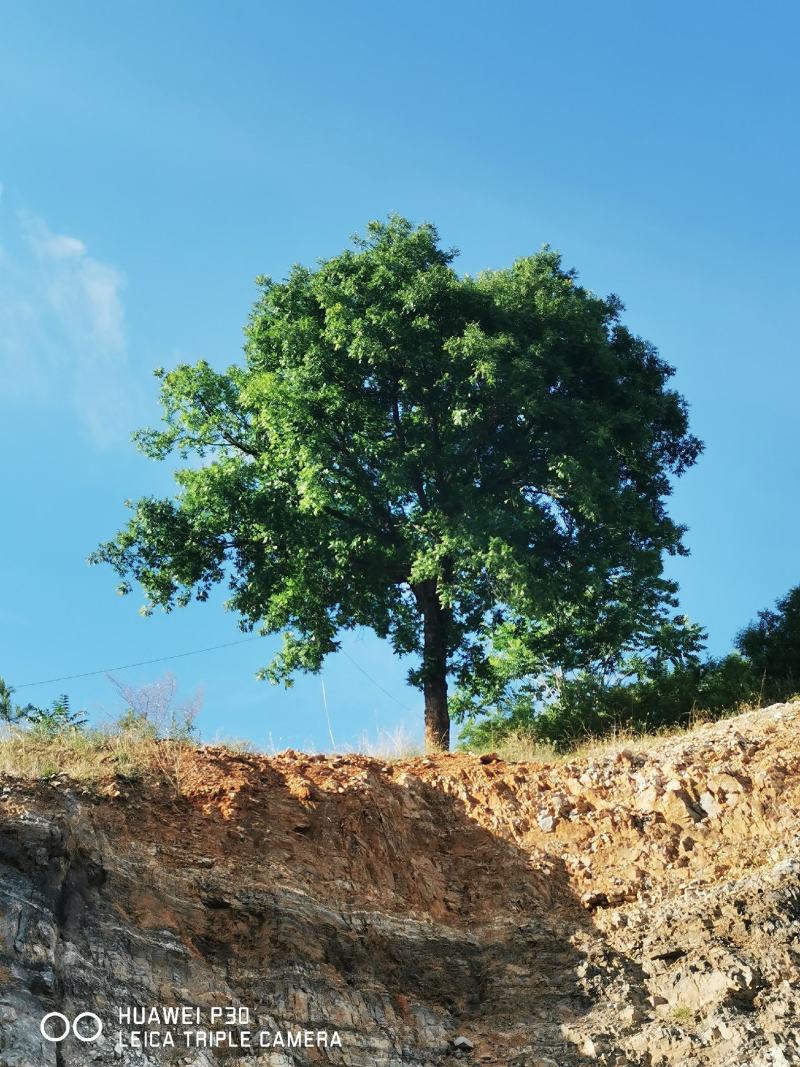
{"x": 141, "y": 663}
{"x": 327, "y": 713}
{"x": 199, "y": 652}
{"x": 358, "y": 667}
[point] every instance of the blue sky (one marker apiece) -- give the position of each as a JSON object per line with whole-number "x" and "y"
{"x": 155, "y": 158}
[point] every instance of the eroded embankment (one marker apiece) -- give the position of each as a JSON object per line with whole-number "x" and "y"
{"x": 642, "y": 907}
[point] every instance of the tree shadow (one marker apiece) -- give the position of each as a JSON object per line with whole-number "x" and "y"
{"x": 341, "y": 896}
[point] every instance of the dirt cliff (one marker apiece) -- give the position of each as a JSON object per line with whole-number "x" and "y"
{"x": 641, "y": 906}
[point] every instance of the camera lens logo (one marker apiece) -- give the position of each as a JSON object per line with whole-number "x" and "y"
{"x": 60, "y": 1028}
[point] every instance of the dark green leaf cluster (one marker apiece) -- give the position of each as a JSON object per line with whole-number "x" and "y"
{"x": 665, "y": 681}
{"x": 10, "y": 712}
{"x": 771, "y": 644}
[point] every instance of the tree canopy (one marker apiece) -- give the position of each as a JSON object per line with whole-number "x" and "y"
{"x": 475, "y": 468}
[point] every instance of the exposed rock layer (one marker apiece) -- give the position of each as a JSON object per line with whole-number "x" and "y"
{"x": 641, "y": 907}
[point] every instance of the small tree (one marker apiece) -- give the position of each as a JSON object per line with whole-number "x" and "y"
{"x": 11, "y": 712}
{"x": 152, "y": 710}
{"x": 451, "y": 461}
{"x": 57, "y": 719}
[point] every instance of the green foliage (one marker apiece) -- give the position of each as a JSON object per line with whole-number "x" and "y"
{"x": 473, "y": 467}
{"x": 666, "y": 685}
{"x": 46, "y": 722}
{"x": 772, "y": 646}
{"x": 586, "y": 705}
{"x": 55, "y": 720}
{"x": 136, "y": 725}
{"x": 10, "y": 712}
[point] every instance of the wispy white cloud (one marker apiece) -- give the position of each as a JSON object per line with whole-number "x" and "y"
{"x": 62, "y": 329}
{"x": 55, "y": 245}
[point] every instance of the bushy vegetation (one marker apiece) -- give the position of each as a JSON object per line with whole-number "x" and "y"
{"x": 153, "y": 711}
{"x": 664, "y": 683}
{"x": 57, "y": 718}
{"x": 153, "y": 735}
{"x": 771, "y": 646}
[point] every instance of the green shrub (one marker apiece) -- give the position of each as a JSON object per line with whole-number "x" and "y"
{"x": 664, "y": 682}
{"x": 587, "y": 704}
{"x": 55, "y": 720}
{"x": 48, "y": 722}
{"x": 771, "y": 644}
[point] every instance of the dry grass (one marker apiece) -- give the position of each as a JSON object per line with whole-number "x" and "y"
{"x": 92, "y": 756}
{"x": 522, "y": 748}
{"x": 242, "y": 746}
{"x": 683, "y": 1015}
{"x": 518, "y": 747}
{"x": 397, "y": 744}
{"x": 97, "y": 756}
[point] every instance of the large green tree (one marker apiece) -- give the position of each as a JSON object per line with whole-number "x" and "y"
{"x": 466, "y": 465}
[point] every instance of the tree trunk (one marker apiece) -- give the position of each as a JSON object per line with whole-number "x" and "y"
{"x": 434, "y": 668}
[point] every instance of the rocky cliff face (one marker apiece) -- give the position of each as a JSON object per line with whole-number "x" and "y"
{"x": 642, "y": 907}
